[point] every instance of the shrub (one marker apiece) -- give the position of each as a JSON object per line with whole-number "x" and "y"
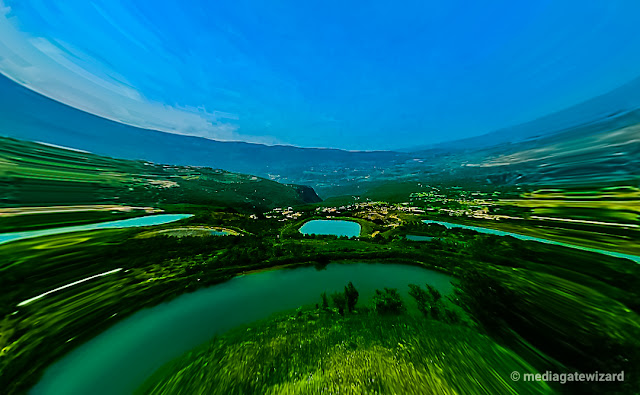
{"x": 339, "y": 301}
{"x": 451, "y": 316}
{"x": 429, "y": 301}
{"x": 487, "y": 300}
{"x": 432, "y": 305}
{"x": 388, "y": 302}
{"x": 351, "y": 294}
{"x": 325, "y": 300}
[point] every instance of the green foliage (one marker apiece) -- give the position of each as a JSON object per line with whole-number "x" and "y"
{"x": 342, "y": 300}
{"x": 420, "y": 228}
{"x": 429, "y": 301}
{"x": 42, "y": 175}
{"x": 339, "y": 301}
{"x": 388, "y": 301}
{"x": 580, "y": 327}
{"x": 485, "y": 298}
{"x": 583, "y": 313}
{"x": 325, "y": 301}
{"x": 361, "y": 353}
{"x": 351, "y": 293}
{"x": 431, "y": 304}
{"x": 451, "y": 316}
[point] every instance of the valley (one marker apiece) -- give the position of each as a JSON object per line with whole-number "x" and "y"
{"x": 319, "y": 198}
{"x": 64, "y": 287}
{"x": 150, "y": 268}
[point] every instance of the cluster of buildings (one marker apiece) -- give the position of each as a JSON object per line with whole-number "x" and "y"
{"x": 460, "y": 204}
{"x": 282, "y": 214}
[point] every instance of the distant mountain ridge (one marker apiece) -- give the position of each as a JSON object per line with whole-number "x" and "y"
{"x": 27, "y": 115}
{"x": 492, "y": 158}
{"x": 592, "y": 116}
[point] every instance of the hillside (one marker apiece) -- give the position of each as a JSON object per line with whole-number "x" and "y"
{"x": 618, "y": 107}
{"x": 38, "y": 174}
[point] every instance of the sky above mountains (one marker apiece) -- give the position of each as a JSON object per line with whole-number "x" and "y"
{"x": 361, "y": 75}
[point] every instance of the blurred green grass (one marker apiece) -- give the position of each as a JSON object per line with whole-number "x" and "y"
{"x": 318, "y": 352}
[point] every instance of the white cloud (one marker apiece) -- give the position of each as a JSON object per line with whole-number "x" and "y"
{"x": 4, "y": 9}
{"x": 63, "y": 73}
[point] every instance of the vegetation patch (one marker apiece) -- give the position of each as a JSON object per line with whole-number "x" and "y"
{"x": 341, "y": 350}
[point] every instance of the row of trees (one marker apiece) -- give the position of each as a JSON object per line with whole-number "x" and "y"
{"x": 341, "y": 300}
{"x": 432, "y": 305}
{"x": 389, "y": 302}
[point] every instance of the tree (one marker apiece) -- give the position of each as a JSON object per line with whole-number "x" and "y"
{"x": 436, "y": 296}
{"x": 429, "y": 301}
{"x": 489, "y": 302}
{"x": 388, "y": 301}
{"x": 325, "y": 301}
{"x": 422, "y": 298}
{"x": 351, "y": 294}
{"x": 339, "y": 301}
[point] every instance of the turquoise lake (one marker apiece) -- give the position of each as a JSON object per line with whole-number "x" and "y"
{"x": 120, "y": 359}
{"x": 531, "y": 238}
{"x": 418, "y": 238}
{"x": 331, "y": 227}
{"x": 148, "y": 220}
{"x": 218, "y": 233}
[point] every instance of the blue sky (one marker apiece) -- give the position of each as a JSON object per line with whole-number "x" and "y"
{"x": 361, "y": 75}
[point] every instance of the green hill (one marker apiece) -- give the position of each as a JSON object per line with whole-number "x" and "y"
{"x": 34, "y": 174}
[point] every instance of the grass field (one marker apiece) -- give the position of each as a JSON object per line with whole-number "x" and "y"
{"x": 317, "y": 351}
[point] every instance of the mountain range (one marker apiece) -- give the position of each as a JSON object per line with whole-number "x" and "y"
{"x": 594, "y": 141}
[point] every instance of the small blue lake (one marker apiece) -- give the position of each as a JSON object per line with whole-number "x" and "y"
{"x": 331, "y": 227}
{"x": 148, "y": 220}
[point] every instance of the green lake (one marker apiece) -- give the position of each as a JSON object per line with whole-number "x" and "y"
{"x": 120, "y": 359}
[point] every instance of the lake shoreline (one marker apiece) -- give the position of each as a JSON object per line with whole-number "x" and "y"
{"x": 525, "y": 237}
{"x": 140, "y": 221}
{"x": 336, "y": 266}
{"x": 152, "y": 299}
